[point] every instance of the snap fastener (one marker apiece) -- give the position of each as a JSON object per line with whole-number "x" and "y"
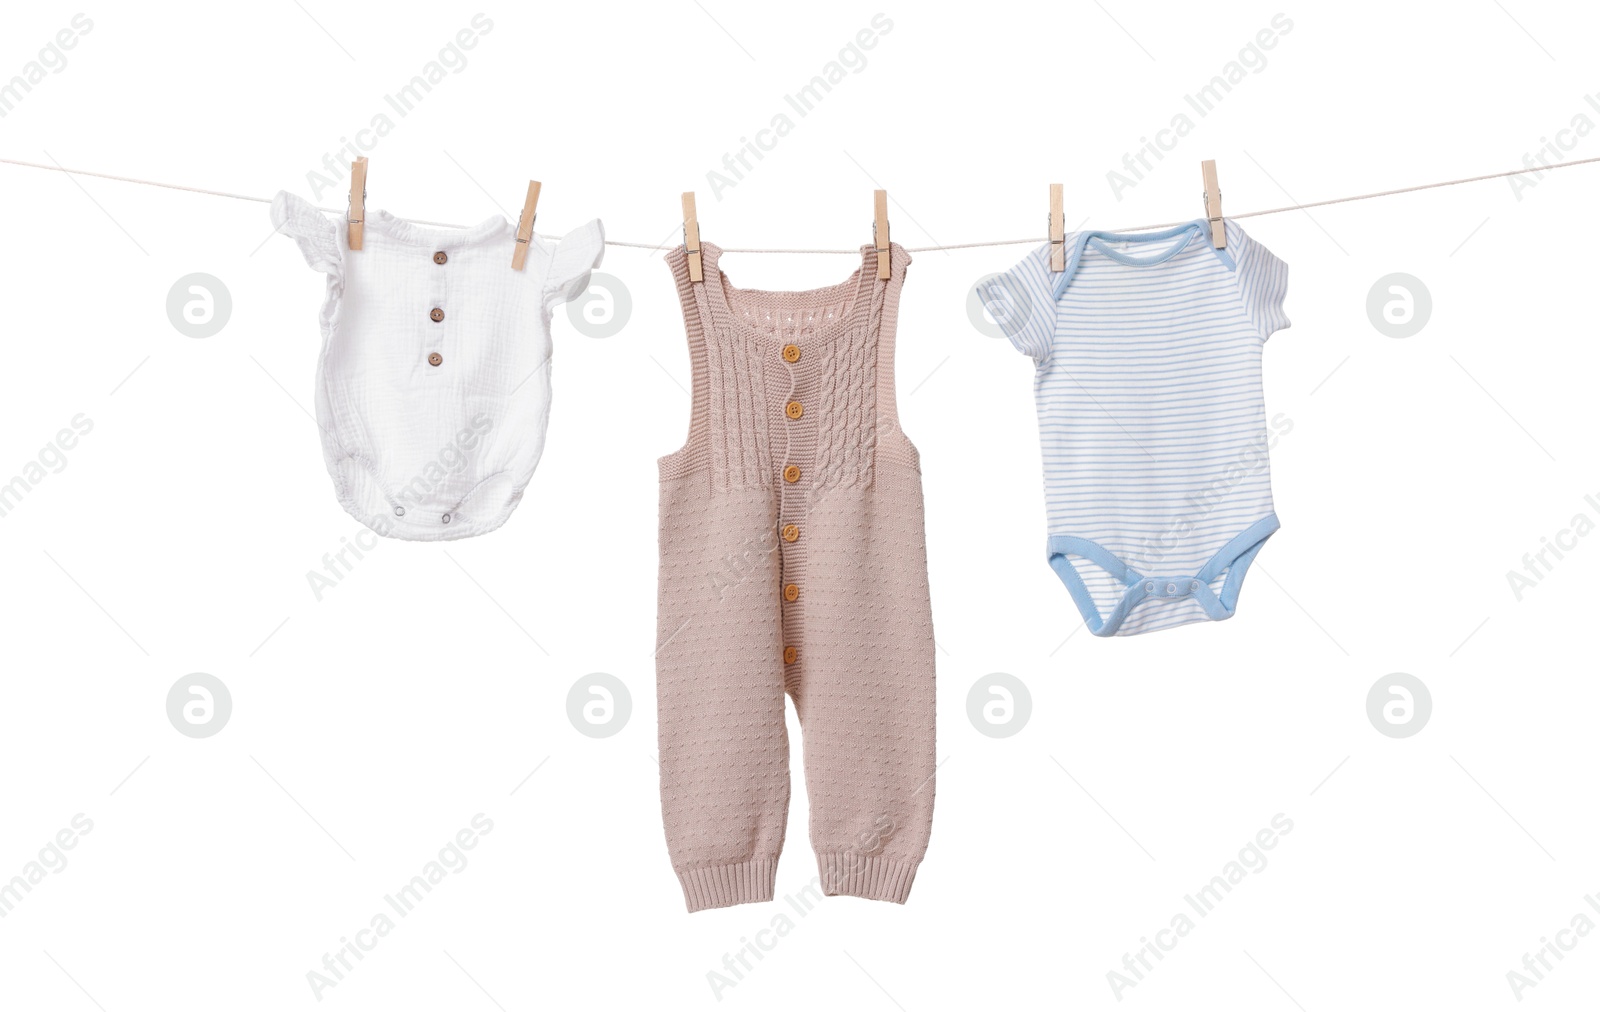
{"x": 793, "y": 409}
{"x": 434, "y": 358}
{"x": 436, "y": 315}
{"x": 445, "y": 518}
{"x": 1149, "y": 588}
{"x": 440, "y": 257}
{"x": 791, "y": 474}
{"x": 791, "y": 533}
{"x": 790, "y": 655}
{"x": 791, "y": 592}
{"x": 791, "y": 353}
{"x": 1194, "y": 584}
{"x": 1172, "y": 588}
{"x": 399, "y": 511}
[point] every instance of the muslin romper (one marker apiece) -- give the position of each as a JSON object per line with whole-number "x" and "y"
{"x": 433, "y": 383}
{"x": 793, "y": 559}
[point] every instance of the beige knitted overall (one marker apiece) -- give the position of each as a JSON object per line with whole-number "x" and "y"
{"x": 793, "y": 558}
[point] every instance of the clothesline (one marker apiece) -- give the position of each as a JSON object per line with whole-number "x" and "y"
{"x": 910, "y": 249}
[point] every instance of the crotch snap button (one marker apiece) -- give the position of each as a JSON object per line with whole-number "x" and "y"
{"x": 436, "y": 315}
{"x": 791, "y": 353}
{"x": 791, "y": 474}
{"x": 793, "y": 409}
{"x": 399, "y": 511}
{"x": 1172, "y": 588}
{"x": 1194, "y": 584}
{"x": 440, "y": 257}
{"x": 1149, "y": 588}
{"x": 445, "y": 519}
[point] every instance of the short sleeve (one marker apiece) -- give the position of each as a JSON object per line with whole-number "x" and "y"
{"x": 311, "y": 230}
{"x": 579, "y": 252}
{"x": 1263, "y": 281}
{"x": 1022, "y": 301}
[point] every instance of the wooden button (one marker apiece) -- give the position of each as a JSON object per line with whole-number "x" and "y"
{"x": 436, "y": 315}
{"x": 791, "y": 474}
{"x": 434, "y": 358}
{"x": 792, "y": 409}
{"x": 791, "y": 592}
{"x": 791, "y": 353}
{"x": 791, "y": 533}
{"x": 790, "y": 655}
{"x": 440, "y": 257}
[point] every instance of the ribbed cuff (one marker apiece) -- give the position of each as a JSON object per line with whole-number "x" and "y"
{"x": 847, "y": 873}
{"x": 726, "y": 885}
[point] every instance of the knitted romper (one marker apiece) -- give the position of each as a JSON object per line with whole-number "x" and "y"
{"x": 793, "y": 560}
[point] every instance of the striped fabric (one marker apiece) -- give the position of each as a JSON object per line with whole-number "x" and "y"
{"x": 1154, "y": 430}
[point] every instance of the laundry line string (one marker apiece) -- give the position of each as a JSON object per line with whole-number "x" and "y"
{"x": 853, "y": 251}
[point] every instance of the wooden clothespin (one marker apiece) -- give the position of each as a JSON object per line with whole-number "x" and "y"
{"x": 1213, "y": 196}
{"x": 880, "y": 231}
{"x": 519, "y": 257}
{"x": 358, "y": 201}
{"x": 691, "y": 238}
{"x": 1058, "y": 231}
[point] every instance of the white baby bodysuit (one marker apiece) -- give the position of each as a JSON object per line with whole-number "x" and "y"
{"x": 433, "y": 385}
{"x": 1147, "y": 350}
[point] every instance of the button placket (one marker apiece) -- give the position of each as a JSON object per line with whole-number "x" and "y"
{"x": 439, "y": 286}
{"x": 792, "y": 499}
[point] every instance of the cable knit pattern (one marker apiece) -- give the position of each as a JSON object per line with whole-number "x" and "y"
{"x": 793, "y": 561}
{"x": 848, "y": 388}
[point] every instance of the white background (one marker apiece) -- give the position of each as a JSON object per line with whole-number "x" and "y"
{"x": 369, "y": 727}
